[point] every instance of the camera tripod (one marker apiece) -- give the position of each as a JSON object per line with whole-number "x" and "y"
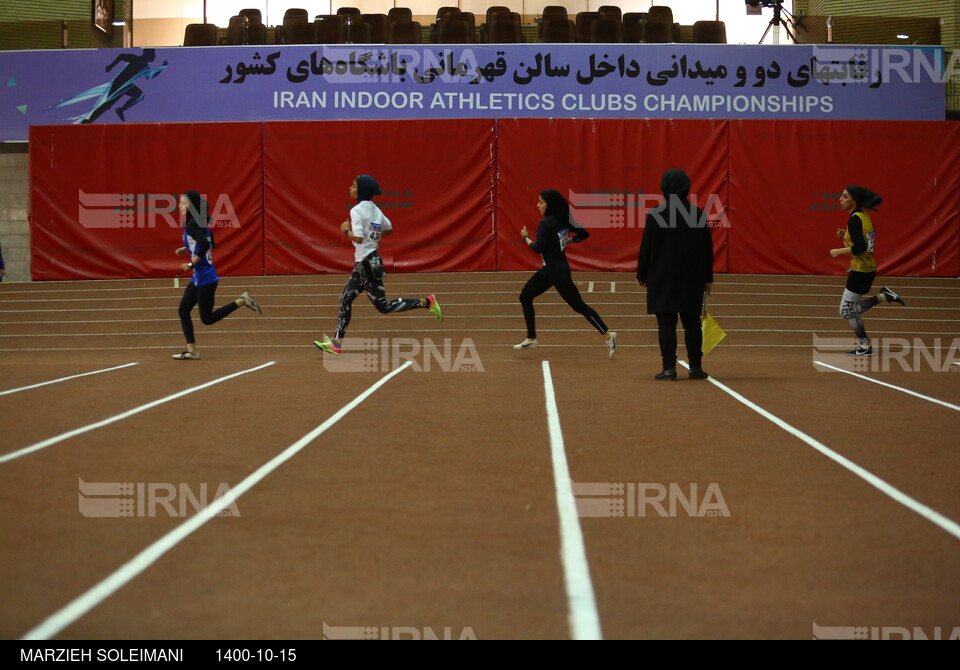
{"x": 778, "y": 21}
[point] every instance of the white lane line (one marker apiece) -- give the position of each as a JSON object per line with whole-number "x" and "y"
{"x": 119, "y": 417}
{"x": 63, "y": 379}
{"x": 952, "y": 527}
{"x": 896, "y": 388}
{"x": 583, "y": 617}
{"x": 129, "y": 570}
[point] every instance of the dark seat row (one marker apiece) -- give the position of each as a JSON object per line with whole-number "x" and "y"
{"x": 501, "y": 26}
{"x": 608, "y": 24}
{"x": 348, "y": 25}
{"x": 453, "y": 26}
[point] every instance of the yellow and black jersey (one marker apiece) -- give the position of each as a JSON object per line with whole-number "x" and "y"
{"x": 860, "y": 238}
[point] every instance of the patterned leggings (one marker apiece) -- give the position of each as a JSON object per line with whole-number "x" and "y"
{"x": 852, "y": 305}
{"x": 367, "y": 276}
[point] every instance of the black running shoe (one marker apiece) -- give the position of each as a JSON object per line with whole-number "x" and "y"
{"x": 891, "y": 296}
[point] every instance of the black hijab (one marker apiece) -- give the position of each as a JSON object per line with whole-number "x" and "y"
{"x": 557, "y": 206}
{"x": 675, "y": 182}
{"x": 199, "y": 213}
{"x": 198, "y": 210}
{"x": 864, "y": 197}
{"x": 367, "y": 187}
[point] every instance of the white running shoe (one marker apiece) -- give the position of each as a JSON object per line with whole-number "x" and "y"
{"x": 250, "y": 303}
{"x": 187, "y": 356}
{"x": 612, "y": 343}
{"x": 526, "y": 344}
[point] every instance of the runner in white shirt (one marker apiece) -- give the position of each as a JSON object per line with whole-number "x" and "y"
{"x": 366, "y": 227}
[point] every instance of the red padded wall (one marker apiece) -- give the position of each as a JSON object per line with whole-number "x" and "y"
{"x": 458, "y": 192}
{"x": 786, "y": 177}
{"x": 97, "y": 191}
{"x": 437, "y": 182}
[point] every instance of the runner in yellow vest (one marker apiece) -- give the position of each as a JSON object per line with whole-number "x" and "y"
{"x": 859, "y": 238}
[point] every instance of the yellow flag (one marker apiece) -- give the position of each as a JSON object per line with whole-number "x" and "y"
{"x": 712, "y": 333}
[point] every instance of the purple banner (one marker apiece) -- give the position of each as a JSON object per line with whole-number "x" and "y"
{"x": 253, "y": 83}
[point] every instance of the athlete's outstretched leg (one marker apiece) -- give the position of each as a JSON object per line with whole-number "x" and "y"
{"x": 372, "y": 269}
{"x": 350, "y": 292}
{"x": 536, "y": 286}
{"x": 852, "y": 305}
{"x": 571, "y": 295}
{"x": 205, "y": 299}
{"x": 187, "y": 303}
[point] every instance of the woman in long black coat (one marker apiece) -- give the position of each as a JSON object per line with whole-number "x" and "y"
{"x": 675, "y": 264}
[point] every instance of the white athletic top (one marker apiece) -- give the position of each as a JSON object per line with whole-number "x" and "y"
{"x": 367, "y": 221}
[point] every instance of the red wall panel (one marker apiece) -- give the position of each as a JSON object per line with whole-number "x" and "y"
{"x": 458, "y": 192}
{"x": 610, "y": 170}
{"x": 101, "y": 197}
{"x": 437, "y": 182}
{"x": 786, "y": 177}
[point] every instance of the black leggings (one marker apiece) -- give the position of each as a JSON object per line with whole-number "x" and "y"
{"x": 202, "y": 296}
{"x": 538, "y": 284}
{"x": 692, "y": 338}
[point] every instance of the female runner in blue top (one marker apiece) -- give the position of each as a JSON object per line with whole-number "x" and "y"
{"x": 198, "y": 241}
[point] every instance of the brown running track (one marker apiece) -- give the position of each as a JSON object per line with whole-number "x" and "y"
{"x": 432, "y": 505}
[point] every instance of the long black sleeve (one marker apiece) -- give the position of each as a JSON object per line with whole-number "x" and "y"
{"x": 859, "y": 242}
{"x": 196, "y": 232}
{"x": 579, "y": 232}
{"x": 543, "y": 237}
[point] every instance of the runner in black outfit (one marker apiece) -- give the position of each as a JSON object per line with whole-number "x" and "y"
{"x": 553, "y": 233}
